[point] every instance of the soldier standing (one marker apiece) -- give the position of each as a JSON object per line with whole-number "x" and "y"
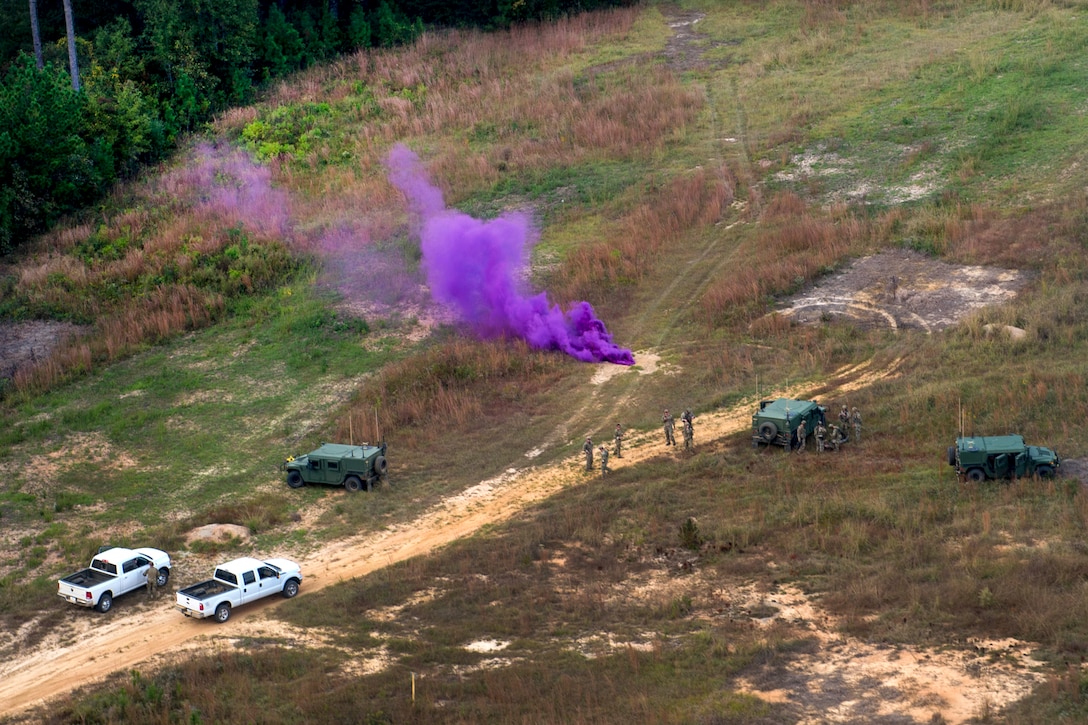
{"x": 844, "y": 420}
{"x": 820, "y": 433}
{"x": 802, "y": 434}
{"x": 152, "y": 581}
{"x": 605, "y": 470}
{"x": 667, "y": 422}
{"x": 689, "y": 435}
{"x": 587, "y": 447}
{"x": 856, "y": 418}
{"x": 618, "y": 436}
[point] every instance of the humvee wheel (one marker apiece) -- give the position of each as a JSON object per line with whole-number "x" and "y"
{"x": 1045, "y": 472}
{"x": 294, "y": 479}
{"x": 976, "y": 475}
{"x": 353, "y": 484}
{"x": 381, "y": 465}
{"x": 222, "y": 612}
{"x": 768, "y": 431}
{"x": 951, "y": 455}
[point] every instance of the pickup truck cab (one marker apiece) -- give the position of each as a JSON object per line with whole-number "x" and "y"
{"x": 238, "y": 582}
{"x": 113, "y": 572}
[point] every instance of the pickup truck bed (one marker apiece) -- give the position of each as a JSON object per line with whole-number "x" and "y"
{"x": 205, "y": 589}
{"x": 86, "y": 578}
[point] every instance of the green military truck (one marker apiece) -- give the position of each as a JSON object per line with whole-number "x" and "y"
{"x": 338, "y": 464}
{"x": 989, "y": 457}
{"x": 776, "y": 421}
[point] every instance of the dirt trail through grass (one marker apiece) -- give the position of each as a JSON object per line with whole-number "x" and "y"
{"x": 117, "y": 643}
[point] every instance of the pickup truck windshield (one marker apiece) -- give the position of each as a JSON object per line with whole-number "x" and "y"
{"x": 104, "y": 566}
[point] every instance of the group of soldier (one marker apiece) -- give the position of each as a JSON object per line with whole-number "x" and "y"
{"x": 587, "y": 448}
{"x": 687, "y": 424}
{"x": 826, "y": 436}
{"x": 833, "y": 435}
{"x": 669, "y": 425}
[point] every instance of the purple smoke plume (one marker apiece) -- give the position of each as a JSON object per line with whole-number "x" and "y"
{"x": 474, "y": 267}
{"x": 229, "y": 183}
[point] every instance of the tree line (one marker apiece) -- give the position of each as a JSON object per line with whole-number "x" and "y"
{"x": 91, "y": 90}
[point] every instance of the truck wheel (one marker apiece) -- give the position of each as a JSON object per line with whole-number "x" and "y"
{"x": 163, "y": 577}
{"x": 353, "y": 484}
{"x": 105, "y": 603}
{"x": 977, "y": 475}
{"x": 380, "y": 465}
{"x": 1045, "y": 471}
{"x": 290, "y": 589}
{"x": 951, "y": 455}
{"x": 768, "y": 431}
{"x": 294, "y": 479}
{"x": 222, "y": 612}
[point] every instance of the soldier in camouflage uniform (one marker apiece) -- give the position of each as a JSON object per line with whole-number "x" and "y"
{"x": 605, "y": 470}
{"x": 821, "y": 434}
{"x": 802, "y": 434}
{"x": 669, "y": 425}
{"x": 856, "y": 419}
{"x": 618, "y": 436}
{"x": 587, "y": 448}
{"x": 689, "y": 433}
{"x": 836, "y": 437}
{"x": 152, "y": 582}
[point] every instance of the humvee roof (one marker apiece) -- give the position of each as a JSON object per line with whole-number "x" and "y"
{"x": 342, "y": 450}
{"x": 779, "y": 408}
{"x": 993, "y": 444}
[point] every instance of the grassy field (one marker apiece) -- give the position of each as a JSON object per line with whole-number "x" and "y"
{"x": 683, "y": 189}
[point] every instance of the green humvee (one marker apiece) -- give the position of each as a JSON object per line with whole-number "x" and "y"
{"x": 979, "y": 458}
{"x": 776, "y": 421}
{"x": 338, "y": 464}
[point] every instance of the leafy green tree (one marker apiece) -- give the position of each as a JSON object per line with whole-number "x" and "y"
{"x": 360, "y": 34}
{"x": 119, "y": 115}
{"x": 47, "y": 165}
{"x": 115, "y": 50}
{"x": 282, "y": 49}
{"x": 392, "y": 27}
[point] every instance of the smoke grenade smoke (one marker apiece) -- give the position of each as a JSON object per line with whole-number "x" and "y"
{"x": 475, "y": 268}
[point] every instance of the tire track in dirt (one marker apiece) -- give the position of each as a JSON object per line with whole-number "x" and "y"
{"x": 35, "y": 676}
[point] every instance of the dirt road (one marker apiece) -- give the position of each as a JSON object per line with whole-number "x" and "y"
{"x": 118, "y": 644}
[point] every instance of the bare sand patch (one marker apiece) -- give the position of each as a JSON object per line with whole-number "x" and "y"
{"x": 843, "y": 679}
{"x": 27, "y": 343}
{"x": 903, "y": 289}
{"x": 218, "y": 533}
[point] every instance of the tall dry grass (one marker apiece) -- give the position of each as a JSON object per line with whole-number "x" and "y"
{"x": 516, "y": 86}
{"x": 794, "y": 244}
{"x": 448, "y": 385}
{"x": 692, "y": 201}
{"x": 163, "y": 313}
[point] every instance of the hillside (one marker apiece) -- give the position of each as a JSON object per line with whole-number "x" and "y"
{"x": 877, "y": 205}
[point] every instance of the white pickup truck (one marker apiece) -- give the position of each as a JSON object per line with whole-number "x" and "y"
{"x": 113, "y": 572}
{"x": 238, "y": 582}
